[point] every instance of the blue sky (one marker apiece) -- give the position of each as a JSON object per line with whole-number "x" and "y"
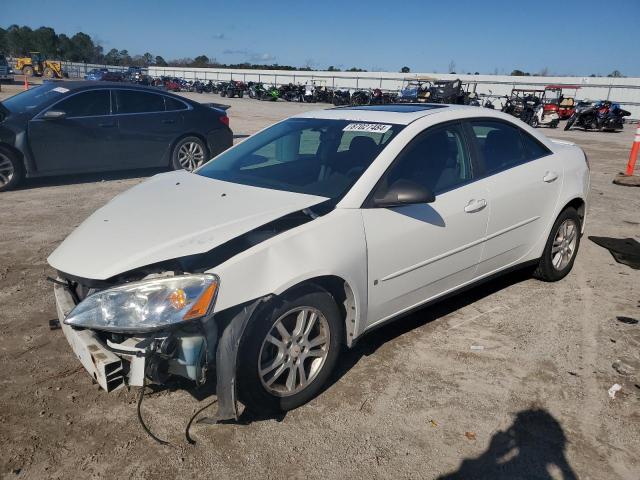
{"x": 567, "y": 37}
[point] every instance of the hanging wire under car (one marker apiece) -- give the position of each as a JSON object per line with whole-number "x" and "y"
{"x": 141, "y": 420}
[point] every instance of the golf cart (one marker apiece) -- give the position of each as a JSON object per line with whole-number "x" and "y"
{"x": 447, "y": 91}
{"x": 416, "y": 89}
{"x": 530, "y": 106}
{"x": 566, "y": 104}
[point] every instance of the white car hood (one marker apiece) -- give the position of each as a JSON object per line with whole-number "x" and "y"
{"x": 168, "y": 216}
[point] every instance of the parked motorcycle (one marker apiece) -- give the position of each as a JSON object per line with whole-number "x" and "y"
{"x": 232, "y": 89}
{"x": 309, "y": 95}
{"x": 361, "y": 97}
{"x": 292, "y": 93}
{"x": 341, "y": 97}
{"x": 602, "y": 115}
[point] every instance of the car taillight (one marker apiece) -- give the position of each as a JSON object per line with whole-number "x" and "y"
{"x": 224, "y": 119}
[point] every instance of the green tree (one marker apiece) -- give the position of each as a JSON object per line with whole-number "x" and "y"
{"x": 112, "y": 57}
{"x": 519, "y": 73}
{"x": 160, "y": 62}
{"x": 147, "y": 59}
{"x": 405, "y": 70}
{"x": 615, "y": 74}
{"x": 200, "y": 61}
{"x": 82, "y": 48}
{"x": 19, "y": 40}
{"x": 65, "y": 47}
{"x": 45, "y": 41}
{"x": 333, "y": 69}
{"x": 3, "y": 41}
{"x": 125, "y": 58}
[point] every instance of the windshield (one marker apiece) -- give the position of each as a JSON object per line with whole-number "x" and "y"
{"x": 33, "y": 98}
{"x": 304, "y": 155}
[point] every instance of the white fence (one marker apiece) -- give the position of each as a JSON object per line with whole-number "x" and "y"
{"x": 625, "y": 91}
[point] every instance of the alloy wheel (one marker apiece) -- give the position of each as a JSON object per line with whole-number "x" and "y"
{"x": 190, "y": 155}
{"x": 6, "y": 170}
{"x": 564, "y": 244}
{"x": 294, "y": 351}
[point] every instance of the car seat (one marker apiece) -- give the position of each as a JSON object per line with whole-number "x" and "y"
{"x": 501, "y": 150}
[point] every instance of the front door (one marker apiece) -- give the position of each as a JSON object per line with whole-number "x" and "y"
{"x": 418, "y": 252}
{"x": 84, "y": 139}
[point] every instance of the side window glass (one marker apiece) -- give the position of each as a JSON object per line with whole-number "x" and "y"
{"x": 500, "y": 145}
{"x": 437, "y": 159}
{"x": 134, "y": 101}
{"x": 533, "y": 149}
{"x": 171, "y": 104}
{"x": 87, "y": 104}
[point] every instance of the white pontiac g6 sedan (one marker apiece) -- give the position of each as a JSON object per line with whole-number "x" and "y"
{"x": 263, "y": 263}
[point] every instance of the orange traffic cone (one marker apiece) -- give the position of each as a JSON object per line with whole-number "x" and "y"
{"x": 26, "y": 83}
{"x": 628, "y": 178}
{"x": 633, "y": 156}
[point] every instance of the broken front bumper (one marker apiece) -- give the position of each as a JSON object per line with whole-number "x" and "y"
{"x": 103, "y": 365}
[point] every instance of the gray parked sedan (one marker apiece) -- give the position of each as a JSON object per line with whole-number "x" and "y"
{"x": 72, "y": 127}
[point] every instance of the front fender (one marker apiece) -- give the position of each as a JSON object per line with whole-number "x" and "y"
{"x": 331, "y": 245}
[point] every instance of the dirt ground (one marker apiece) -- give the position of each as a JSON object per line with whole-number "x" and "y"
{"x": 412, "y": 400}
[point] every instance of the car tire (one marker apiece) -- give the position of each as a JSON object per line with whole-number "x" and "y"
{"x": 561, "y": 248}
{"x": 28, "y": 71}
{"x": 271, "y": 390}
{"x": 11, "y": 170}
{"x": 240, "y": 94}
{"x": 223, "y": 93}
{"x": 189, "y": 153}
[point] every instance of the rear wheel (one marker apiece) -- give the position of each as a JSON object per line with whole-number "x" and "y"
{"x": 11, "y": 170}
{"x": 189, "y": 153}
{"x": 570, "y": 122}
{"x": 49, "y": 73}
{"x": 561, "y": 248}
{"x": 28, "y": 71}
{"x": 240, "y": 94}
{"x": 289, "y": 350}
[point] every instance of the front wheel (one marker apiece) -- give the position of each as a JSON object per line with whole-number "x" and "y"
{"x": 289, "y": 351}
{"x": 11, "y": 170}
{"x": 188, "y": 154}
{"x": 561, "y": 248}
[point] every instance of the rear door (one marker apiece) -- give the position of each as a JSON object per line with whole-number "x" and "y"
{"x": 148, "y": 124}
{"x": 524, "y": 179}
{"x": 83, "y": 140}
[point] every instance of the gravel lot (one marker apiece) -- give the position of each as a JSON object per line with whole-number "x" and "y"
{"x": 412, "y": 400}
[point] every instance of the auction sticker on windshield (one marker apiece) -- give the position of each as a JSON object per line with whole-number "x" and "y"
{"x": 367, "y": 127}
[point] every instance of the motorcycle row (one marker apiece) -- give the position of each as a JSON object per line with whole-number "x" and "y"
{"x": 536, "y": 107}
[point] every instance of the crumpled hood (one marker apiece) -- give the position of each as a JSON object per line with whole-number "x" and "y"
{"x": 168, "y": 216}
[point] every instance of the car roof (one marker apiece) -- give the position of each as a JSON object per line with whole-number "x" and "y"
{"x": 399, "y": 114}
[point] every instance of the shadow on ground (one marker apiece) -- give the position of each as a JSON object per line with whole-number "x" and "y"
{"x": 533, "y": 447}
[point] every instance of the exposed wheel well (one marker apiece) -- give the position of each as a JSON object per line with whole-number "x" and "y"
{"x": 579, "y": 205}
{"x": 13, "y": 151}
{"x": 343, "y": 295}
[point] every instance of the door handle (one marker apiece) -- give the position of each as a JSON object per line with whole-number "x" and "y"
{"x": 475, "y": 205}
{"x": 550, "y": 177}
{"x": 106, "y": 125}
{"x": 168, "y": 121}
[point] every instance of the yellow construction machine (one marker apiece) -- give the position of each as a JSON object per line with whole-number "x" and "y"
{"x": 38, "y": 65}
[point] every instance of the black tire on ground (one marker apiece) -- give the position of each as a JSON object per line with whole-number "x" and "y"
{"x": 10, "y": 162}
{"x": 28, "y": 71}
{"x": 251, "y": 390}
{"x": 49, "y": 73}
{"x": 546, "y": 271}
{"x": 223, "y": 93}
{"x": 570, "y": 122}
{"x": 240, "y": 94}
{"x": 175, "y": 162}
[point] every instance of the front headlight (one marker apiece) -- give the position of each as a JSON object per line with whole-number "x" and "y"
{"x": 147, "y": 305}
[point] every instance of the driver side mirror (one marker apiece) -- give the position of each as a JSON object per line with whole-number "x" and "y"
{"x": 54, "y": 115}
{"x": 403, "y": 192}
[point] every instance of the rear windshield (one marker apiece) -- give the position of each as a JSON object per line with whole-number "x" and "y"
{"x": 33, "y": 98}
{"x": 304, "y": 155}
